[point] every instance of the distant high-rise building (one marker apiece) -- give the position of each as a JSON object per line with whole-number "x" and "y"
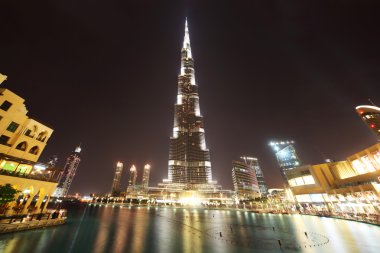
{"x": 286, "y": 156}
{"x": 371, "y": 117}
{"x": 53, "y": 161}
{"x": 254, "y": 163}
{"x": 145, "y": 179}
{"x": 116, "y": 184}
{"x": 244, "y": 180}
{"x": 132, "y": 176}
{"x": 132, "y": 180}
{"x": 69, "y": 171}
{"x": 189, "y": 158}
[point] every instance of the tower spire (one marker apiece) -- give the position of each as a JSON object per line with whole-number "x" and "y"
{"x": 186, "y": 41}
{"x": 187, "y": 64}
{"x": 78, "y": 149}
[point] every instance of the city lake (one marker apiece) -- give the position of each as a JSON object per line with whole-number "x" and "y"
{"x": 117, "y": 229}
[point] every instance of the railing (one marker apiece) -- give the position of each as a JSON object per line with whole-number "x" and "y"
{"x": 41, "y": 177}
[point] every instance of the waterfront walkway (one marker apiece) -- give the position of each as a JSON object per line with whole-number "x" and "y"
{"x": 14, "y": 225}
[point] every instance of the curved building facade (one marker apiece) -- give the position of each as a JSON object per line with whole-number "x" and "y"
{"x": 253, "y": 162}
{"x": 371, "y": 117}
{"x": 245, "y": 180}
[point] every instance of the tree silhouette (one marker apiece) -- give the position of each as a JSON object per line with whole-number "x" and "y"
{"x": 7, "y": 195}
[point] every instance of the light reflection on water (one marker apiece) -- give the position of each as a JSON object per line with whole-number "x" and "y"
{"x": 165, "y": 230}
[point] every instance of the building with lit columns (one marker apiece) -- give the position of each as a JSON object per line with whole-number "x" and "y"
{"x": 22, "y": 141}
{"x": 352, "y": 185}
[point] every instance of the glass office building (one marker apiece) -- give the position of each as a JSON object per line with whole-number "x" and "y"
{"x": 286, "y": 155}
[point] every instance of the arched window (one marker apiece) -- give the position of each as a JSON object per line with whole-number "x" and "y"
{"x": 34, "y": 150}
{"x": 22, "y": 146}
{"x": 34, "y": 131}
{"x": 41, "y": 136}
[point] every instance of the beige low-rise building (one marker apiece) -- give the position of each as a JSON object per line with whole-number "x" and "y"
{"x": 22, "y": 141}
{"x": 35, "y": 191}
{"x": 352, "y": 185}
{"x": 20, "y": 136}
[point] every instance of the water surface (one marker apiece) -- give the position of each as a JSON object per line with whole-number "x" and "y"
{"x": 149, "y": 229}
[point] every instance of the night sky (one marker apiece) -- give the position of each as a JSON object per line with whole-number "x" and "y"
{"x": 104, "y": 73}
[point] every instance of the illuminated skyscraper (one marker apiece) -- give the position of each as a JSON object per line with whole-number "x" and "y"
{"x": 132, "y": 176}
{"x": 286, "y": 156}
{"x": 132, "y": 180}
{"x": 244, "y": 180}
{"x": 371, "y": 117}
{"x": 116, "y": 184}
{"x": 189, "y": 158}
{"x": 254, "y": 163}
{"x": 145, "y": 179}
{"x": 69, "y": 171}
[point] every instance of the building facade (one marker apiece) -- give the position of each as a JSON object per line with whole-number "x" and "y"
{"x": 189, "y": 164}
{"x": 254, "y": 163}
{"x": 71, "y": 166}
{"x": 244, "y": 180}
{"x": 145, "y": 178}
{"x": 286, "y": 155}
{"x": 20, "y": 136}
{"x": 116, "y": 184}
{"x": 22, "y": 141}
{"x": 132, "y": 176}
{"x": 371, "y": 117}
{"x": 352, "y": 185}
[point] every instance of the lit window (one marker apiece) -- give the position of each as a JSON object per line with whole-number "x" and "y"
{"x": 292, "y": 182}
{"x": 368, "y": 164}
{"x": 377, "y": 157}
{"x": 299, "y": 181}
{"x": 358, "y": 166}
{"x": 316, "y": 197}
{"x": 308, "y": 179}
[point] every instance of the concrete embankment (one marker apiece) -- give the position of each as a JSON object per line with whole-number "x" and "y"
{"x": 28, "y": 225}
